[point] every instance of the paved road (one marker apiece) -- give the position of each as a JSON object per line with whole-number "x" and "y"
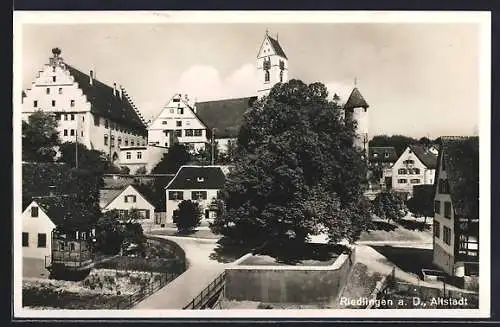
{"x": 202, "y": 270}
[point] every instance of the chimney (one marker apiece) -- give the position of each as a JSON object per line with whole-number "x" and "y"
{"x": 115, "y": 93}
{"x": 121, "y": 92}
{"x": 91, "y": 77}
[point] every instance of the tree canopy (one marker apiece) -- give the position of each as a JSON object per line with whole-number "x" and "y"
{"x": 296, "y": 171}
{"x": 399, "y": 142}
{"x": 91, "y": 160}
{"x": 188, "y": 216}
{"x": 388, "y": 205}
{"x": 40, "y": 137}
{"x": 177, "y": 156}
{"x": 421, "y": 204}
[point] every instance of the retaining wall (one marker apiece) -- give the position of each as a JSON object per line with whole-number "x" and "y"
{"x": 288, "y": 284}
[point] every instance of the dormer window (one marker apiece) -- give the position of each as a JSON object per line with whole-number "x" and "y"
{"x": 386, "y": 155}
{"x": 200, "y": 179}
{"x": 375, "y": 155}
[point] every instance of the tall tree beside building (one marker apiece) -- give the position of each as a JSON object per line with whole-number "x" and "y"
{"x": 295, "y": 169}
{"x": 40, "y": 137}
{"x": 177, "y": 156}
{"x": 388, "y": 205}
{"x": 422, "y": 202}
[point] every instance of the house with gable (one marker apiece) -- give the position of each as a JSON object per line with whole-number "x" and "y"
{"x": 380, "y": 162}
{"x": 131, "y": 197}
{"x": 456, "y": 207}
{"x": 178, "y": 122}
{"x": 90, "y": 112}
{"x": 415, "y": 166}
{"x": 200, "y": 184}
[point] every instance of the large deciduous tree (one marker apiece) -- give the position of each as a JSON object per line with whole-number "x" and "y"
{"x": 91, "y": 160}
{"x": 40, "y": 137}
{"x": 176, "y": 156}
{"x": 296, "y": 171}
{"x": 421, "y": 204}
{"x": 389, "y": 205}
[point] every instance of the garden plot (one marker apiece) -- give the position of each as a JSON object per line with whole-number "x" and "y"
{"x": 102, "y": 289}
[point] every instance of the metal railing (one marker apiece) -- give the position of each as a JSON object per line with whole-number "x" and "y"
{"x": 207, "y": 293}
{"x": 130, "y": 300}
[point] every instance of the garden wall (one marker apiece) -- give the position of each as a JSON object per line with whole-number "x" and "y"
{"x": 288, "y": 284}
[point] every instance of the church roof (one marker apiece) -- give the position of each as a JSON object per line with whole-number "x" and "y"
{"x": 105, "y": 104}
{"x": 356, "y": 100}
{"x": 277, "y": 47}
{"x": 224, "y": 116}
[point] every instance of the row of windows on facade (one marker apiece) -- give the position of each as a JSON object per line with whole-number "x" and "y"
{"x": 267, "y": 76}
{"x": 187, "y": 132}
{"x": 178, "y": 123}
{"x": 179, "y": 195}
{"x": 71, "y": 132}
{"x": 41, "y": 240}
{"x": 71, "y": 103}
{"x": 468, "y": 244}
{"x": 447, "y": 208}
{"x": 132, "y": 142}
{"x": 114, "y": 126}
{"x": 143, "y": 213}
{"x": 409, "y": 171}
{"x": 405, "y": 181}
{"x": 386, "y": 155}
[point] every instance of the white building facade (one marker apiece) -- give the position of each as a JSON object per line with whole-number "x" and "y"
{"x": 37, "y": 233}
{"x": 272, "y": 65}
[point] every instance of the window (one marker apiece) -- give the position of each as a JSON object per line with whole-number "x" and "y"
{"x": 34, "y": 211}
{"x": 281, "y": 76}
{"x": 188, "y": 132}
{"x": 96, "y": 120}
{"x": 165, "y": 122}
{"x": 112, "y": 140}
{"x": 200, "y": 179}
{"x": 83, "y": 118}
{"x": 437, "y": 229}
{"x": 198, "y": 195}
{"x": 408, "y": 162}
{"x": 178, "y": 123}
{"x": 132, "y": 142}
{"x": 139, "y": 155}
{"x": 443, "y": 164}
{"x": 176, "y": 195}
{"x": 198, "y": 132}
{"x": 126, "y": 142}
{"x": 65, "y": 116}
{"x": 266, "y": 76}
{"x": 468, "y": 245}
{"x": 106, "y": 123}
{"x": 72, "y": 103}
{"x": 65, "y": 132}
{"x": 188, "y": 123}
{"x": 53, "y": 79}
{"x": 386, "y": 155}
{"x": 53, "y": 103}
{"x": 176, "y": 100}
{"x": 72, "y": 132}
{"x": 35, "y": 103}
{"x": 415, "y": 181}
{"x": 105, "y": 140}
{"x": 130, "y": 198}
{"x": 26, "y": 240}
{"x": 119, "y": 141}
{"x": 417, "y": 171}
{"x": 402, "y": 181}
{"x": 401, "y": 171}
{"x": 60, "y": 90}
{"x": 178, "y": 132}
{"x": 171, "y": 111}
{"x": 375, "y": 155}
{"x": 447, "y": 209}
{"x": 47, "y": 90}
{"x": 72, "y": 116}
{"x": 446, "y": 235}
{"x": 129, "y": 155}
{"x": 42, "y": 240}
{"x": 180, "y": 111}
{"x": 53, "y": 69}
{"x": 443, "y": 186}
{"x": 81, "y": 133}
{"x": 72, "y": 246}
{"x": 437, "y": 207}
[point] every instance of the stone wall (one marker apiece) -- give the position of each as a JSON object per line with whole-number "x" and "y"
{"x": 288, "y": 284}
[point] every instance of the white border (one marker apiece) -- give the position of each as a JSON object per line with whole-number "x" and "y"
{"x": 270, "y": 17}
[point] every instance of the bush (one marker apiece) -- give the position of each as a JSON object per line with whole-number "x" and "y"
{"x": 188, "y": 216}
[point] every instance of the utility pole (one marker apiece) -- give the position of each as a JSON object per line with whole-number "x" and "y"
{"x": 213, "y": 147}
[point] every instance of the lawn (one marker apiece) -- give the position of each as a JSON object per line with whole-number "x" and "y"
{"x": 309, "y": 254}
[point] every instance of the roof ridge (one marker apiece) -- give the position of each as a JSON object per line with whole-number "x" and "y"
{"x": 132, "y": 103}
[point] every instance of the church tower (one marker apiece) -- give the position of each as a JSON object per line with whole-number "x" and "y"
{"x": 356, "y": 110}
{"x": 272, "y": 65}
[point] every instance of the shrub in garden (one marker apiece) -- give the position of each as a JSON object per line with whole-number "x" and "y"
{"x": 188, "y": 216}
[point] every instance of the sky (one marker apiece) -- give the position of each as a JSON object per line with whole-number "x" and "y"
{"x": 419, "y": 79}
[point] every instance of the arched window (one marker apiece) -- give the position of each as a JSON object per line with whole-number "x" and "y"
{"x": 281, "y": 76}
{"x": 266, "y": 76}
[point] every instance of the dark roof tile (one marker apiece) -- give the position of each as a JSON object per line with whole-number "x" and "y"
{"x": 277, "y": 47}
{"x": 198, "y": 178}
{"x": 383, "y": 154}
{"x": 356, "y": 100}
{"x": 428, "y": 158}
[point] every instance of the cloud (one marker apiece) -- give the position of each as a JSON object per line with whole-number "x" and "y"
{"x": 205, "y": 83}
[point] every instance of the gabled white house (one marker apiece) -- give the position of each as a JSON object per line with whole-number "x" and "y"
{"x": 415, "y": 166}
{"x": 179, "y": 122}
{"x": 37, "y": 232}
{"x": 128, "y": 198}
{"x": 200, "y": 184}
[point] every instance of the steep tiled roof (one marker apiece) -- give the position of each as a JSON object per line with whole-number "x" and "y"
{"x": 461, "y": 159}
{"x": 383, "y": 154}
{"x": 108, "y": 195}
{"x": 356, "y": 100}
{"x": 198, "y": 178}
{"x": 224, "y": 116}
{"x": 277, "y": 47}
{"x": 147, "y": 192}
{"x": 56, "y": 207}
{"x": 105, "y": 104}
{"x": 428, "y": 158}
